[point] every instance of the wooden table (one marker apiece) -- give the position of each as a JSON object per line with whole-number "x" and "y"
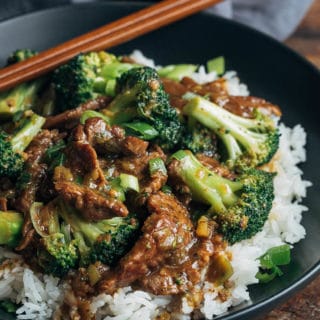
{"x": 306, "y": 304}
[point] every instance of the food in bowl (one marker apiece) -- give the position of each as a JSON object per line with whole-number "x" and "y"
{"x": 135, "y": 191}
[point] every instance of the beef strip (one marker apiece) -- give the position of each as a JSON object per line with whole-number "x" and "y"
{"x": 92, "y": 205}
{"x": 139, "y": 165}
{"x": 36, "y": 171}
{"x": 82, "y": 157}
{"x": 105, "y": 139}
{"x": 182, "y": 191}
{"x": 245, "y": 106}
{"x": 168, "y": 258}
{"x": 217, "y": 92}
{"x": 133, "y": 146}
{"x": 167, "y": 232}
{"x": 180, "y": 278}
{"x": 70, "y": 118}
{"x": 111, "y": 140}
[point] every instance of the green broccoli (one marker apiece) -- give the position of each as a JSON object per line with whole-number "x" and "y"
{"x": 22, "y": 97}
{"x": 57, "y": 256}
{"x": 240, "y": 207}
{"x": 57, "y": 252}
{"x": 141, "y": 96}
{"x": 11, "y": 145}
{"x": 199, "y": 139}
{"x": 20, "y": 55}
{"x": 85, "y": 77}
{"x": 10, "y": 228}
{"x": 248, "y": 142}
{"x": 106, "y": 240}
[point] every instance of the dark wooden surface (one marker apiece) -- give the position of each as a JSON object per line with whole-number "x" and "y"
{"x": 306, "y": 304}
{"x": 306, "y": 39}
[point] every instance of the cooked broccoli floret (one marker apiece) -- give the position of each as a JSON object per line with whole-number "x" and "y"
{"x": 240, "y": 207}
{"x": 11, "y": 146}
{"x": 248, "y": 142}
{"x": 22, "y": 97}
{"x": 199, "y": 139}
{"x": 58, "y": 254}
{"x": 57, "y": 251}
{"x": 20, "y": 55}
{"x": 106, "y": 240}
{"x": 85, "y": 77}
{"x": 10, "y": 227}
{"x": 141, "y": 96}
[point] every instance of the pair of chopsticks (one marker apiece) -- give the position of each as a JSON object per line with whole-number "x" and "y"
{"x": 112, "y": 34}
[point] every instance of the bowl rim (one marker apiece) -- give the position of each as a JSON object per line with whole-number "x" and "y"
{"x": 314, "y": 270}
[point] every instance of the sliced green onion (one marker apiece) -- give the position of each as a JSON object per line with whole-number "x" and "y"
{"x": 156, "y": 165}
{"x": 217, "y": 64}
{"x": 141, "y": 130}
{"x": 99, "y": 85}
{"x": 279, "y": 255}
{"x": 265, "y": 277}
{"x": 269, "y": 262}
{"x": 129, "y": 182}
{"x": 118, "y": 191}
{"x": 92, "y": 114}
{"x": 110, "y": 87}
{"x": 178, "y": 71}
{"x": 179, "y": 155}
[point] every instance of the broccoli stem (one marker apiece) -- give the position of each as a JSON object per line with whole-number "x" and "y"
{"x": 120, "y": 110}
{"x": 25, "y": 135}
{"x": 205, "y": 185}
{"x": 19, "y": 98}
{"x": 257, "y": 137}
{"x": 178, "y": 71}
{"x": 222, "y": 121}
{"x": 89, "y": 230}
{"x": 10, "y": 227}
{"x": 232, "y": 146}
{"x": 24, "y": 96}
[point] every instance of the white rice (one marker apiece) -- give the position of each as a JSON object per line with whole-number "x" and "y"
{"x": 40, "y": 295}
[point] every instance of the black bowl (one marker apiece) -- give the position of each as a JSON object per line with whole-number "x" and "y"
{"x": 270, "y": 69}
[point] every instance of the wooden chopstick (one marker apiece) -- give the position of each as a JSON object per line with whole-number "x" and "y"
{"x": 103, "y": 31}
{"x": 112, "y": 34}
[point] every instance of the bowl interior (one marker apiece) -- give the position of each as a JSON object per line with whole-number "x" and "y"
{"x": 270, "y": 70}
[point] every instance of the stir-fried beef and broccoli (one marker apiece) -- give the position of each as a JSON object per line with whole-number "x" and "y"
{"x": 112, "y": 175}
